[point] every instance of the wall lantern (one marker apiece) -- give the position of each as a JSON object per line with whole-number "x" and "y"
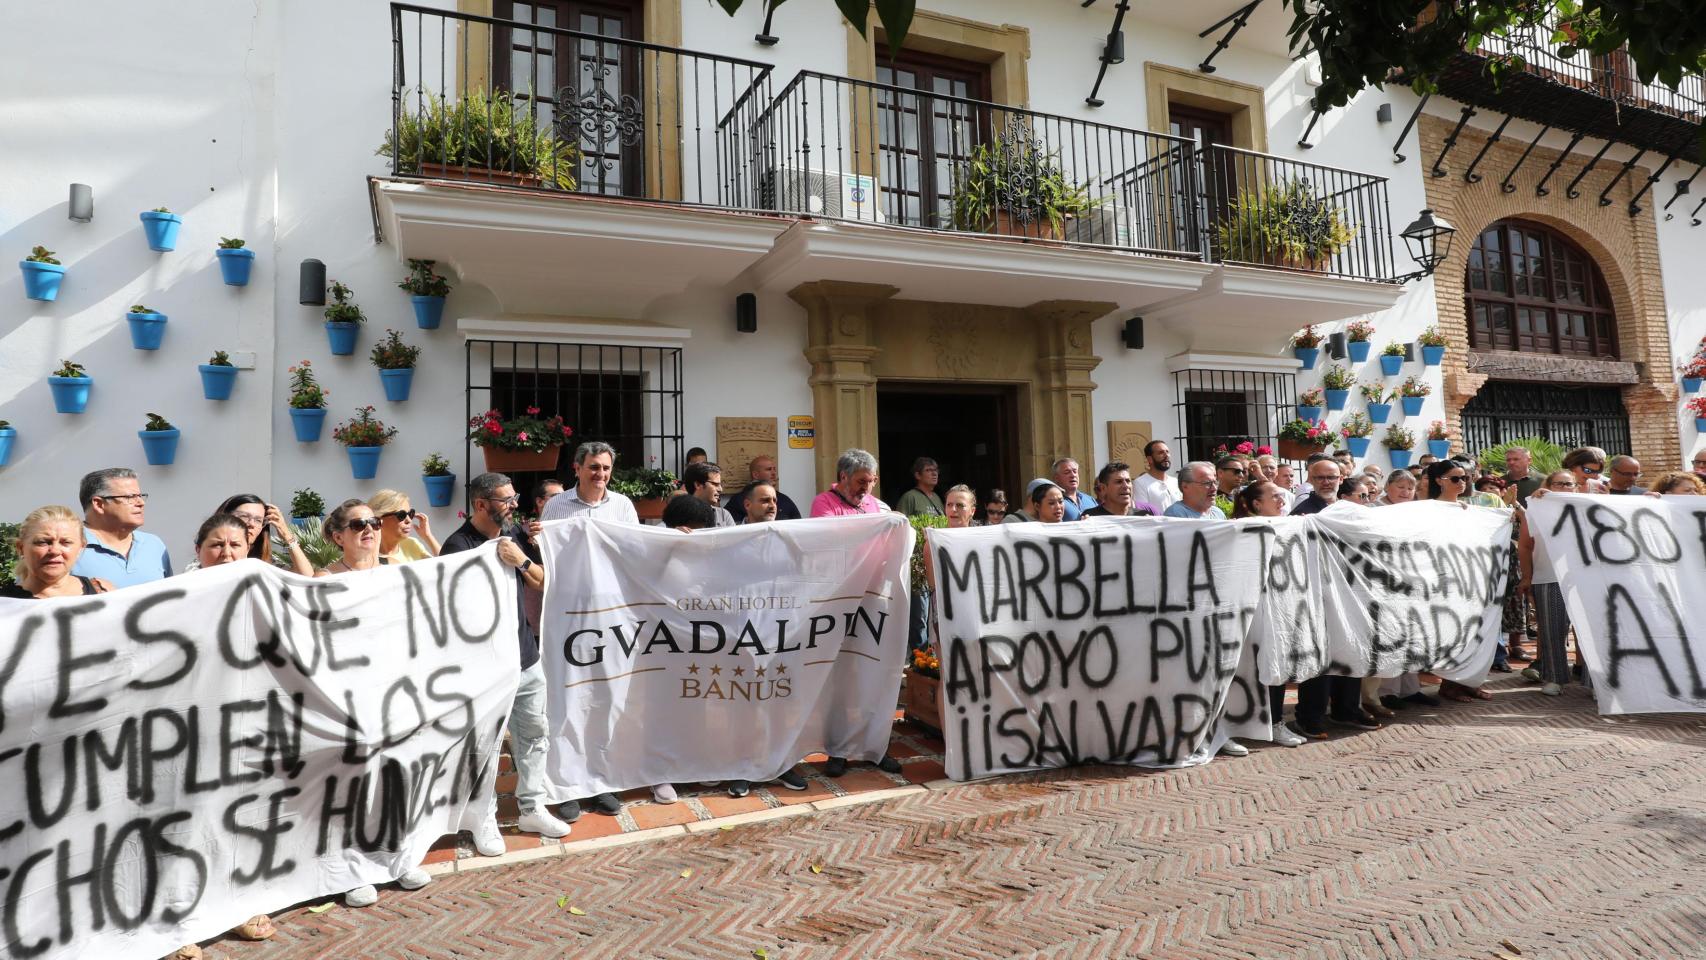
{"x": 311, "y": 286}
{"x": 1114, "y": 51}
{"x": 1336, "y": 345}
{"x": 1429, "y": 241}
{"x": 82, "y": 203}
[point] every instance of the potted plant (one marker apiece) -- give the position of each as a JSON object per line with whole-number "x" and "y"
{"x": 649, "y": 487}
{"x": 1311, "y": 405}
{"x": 1433, "y": 346}
{"x": 440, "y": 482}
{"x": 1283, "y": 225}
{"x": 70, "y": 386}
{"x": 307, "y": 403}
{"x": 396, "y": 362}
{"x": 364, "y": 438}
{"x": 343, "y": 319}
{"x": 42, "y": 274}
{"x": 1300, "y": 438}
{"x": 1338, "y": 381}
{"x": 1439, "y": 442}
{"x": 306, "y": 508}
{"x": 7, "y": 435}
{"x": 159, "y": 441}
{"x": 1378, "y": 401}
{"x": 1693, "y": 370}
{"x": 1399, "y": 442}
{"x": 921, "y": 694}
{"x": 1411, "y": 394}
{"x": 1356, "y": 429}
{"x": 527, "y": 442}
{"x": 147, "y": 327}
{"x": 218, "y": 376}
{"x": 427, "y": 292}
{"x": 1359, "y": 331}
{"x": 160, "y": 226}
{"x": 482, "y": 136}
{"x": 1392, "y": 358}
{"x": 1697, "y": 406}
{"x": 235, "y": 261}
{"x": 1306, "y": 346}
{"x": 1011, "y": 186}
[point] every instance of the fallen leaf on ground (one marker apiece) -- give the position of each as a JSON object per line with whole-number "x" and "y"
{"x": 577, "y": 911}
{"x": 322, "y": 908}
{"x": 686, "y": 873}
{"x": 725, "y": 827}
{"x": 562, "y": 901}
{"x": 817, "y": 868}
{"x": 1511, "y": 947}
{"x": 484, "y": 895}
{"x": 761, "y": 953}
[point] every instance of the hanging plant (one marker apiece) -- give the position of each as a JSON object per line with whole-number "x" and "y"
{"x": 427, "y": 292}
{"x": 396, "y": 362}
{"x": 218, "y": 376}
{"x": 235, "y": 261}
{"x": 42, "y": 274}
{"x": 307, "y": 403}
{"x": 343, "y": 319}
{"x": 482, "y": 136}
{"x": 159, "y": 441}
{"x": 1011, "y": 186}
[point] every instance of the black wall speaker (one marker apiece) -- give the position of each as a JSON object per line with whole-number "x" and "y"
{"x": 311, "y": 285}
{"x": 1132, "y": 335}
{"x": 746, "y": 313}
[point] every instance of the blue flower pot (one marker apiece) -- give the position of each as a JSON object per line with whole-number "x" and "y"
{"x": 1431, "y": 356}
{"x": 397, "y": 383}
{"x": 1690, "y": 384}
{"x": 429, "y": 311}
{"x": 1378, "y": 412}
{"x": 70, "y": 394}
{"x": 307, "y": 523}
{"x": 146, "y": 330}
{"x": 1308, "y": 355}
{"x": 1391, "y": 363}
{"x": 1358, "y": 350}
{"x": 161, "y": 230}
{"x": 159, "y": 446}
{"x": 1412, "y": 405}
{"x": 1336, "y": 399}
{"x": 1358, "y": 446}
{"x": 1400, "y": 458}
{"x": 1441, "y": 449}
{"x": 234, "y": 265}
{"x": 341, "y": 335}
{"x": 1309, "y": 413}
{"x": 364, "y": 461}
{"x": 7, "y": 435}
{"x": 308, "y": 422}
{"x": 41, "y": 280}
{"x": 439, "y": 488}
{"x": 217, "y": 381}
{"x": 1700, "y": 424}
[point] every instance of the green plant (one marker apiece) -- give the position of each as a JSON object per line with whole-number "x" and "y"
{"x": 526, "y": 432}
{"x": 157, "y": 423}
{"x": 423, "y": 281}
{"x": 480, "y": 130}
{"x": 1311, "y": 398}
{"x": 1398, "y": 438}
{"x": 1306, "y": 338}
{"x": 69, "y": 369}
{"x": 160, "y": 210}
{"x": 392, "y": 353}
{"x": 4, "y": 424}
{"x": 41, "y": 255}
{"x": 306, "y": 503}
{"x": 1436, "y": 431}
{"x": 305, "y": 391}
{"x": 342, "y": 309}
{"x": 435, "y": 466}
{"x": 1356, "y": 425}
{"x": 1310, "y": 432}
{"x": 1338, "y": 377}
{"x": 920, "y": 523}
{"x": 1413, "y": 387}
{"x": 1359, "y": 330}
{"x": 1545, "y": 457}
{"x": 220, "y": 359}
{"x": 230, "y": 243}
{"x": 8, "y": 553}
{"x": 1284, "y": 224}
{"x": 1373, "y": 393}
{"x": 139, "y": 308}
{"x": 363, "y": 430}
{"x": 1012, "y": 173}
{"x": 1431, "y": 337}
{"x": 1392, "y": 349}
{"x": 320, "y": 551}
{"x": 644, "y": 483}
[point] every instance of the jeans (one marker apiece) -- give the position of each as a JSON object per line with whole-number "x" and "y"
{"x": 1314, "y": 694}
{"x": 528, "y": 739}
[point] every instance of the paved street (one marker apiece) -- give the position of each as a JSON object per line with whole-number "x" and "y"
{"x": 1525, "y": 821}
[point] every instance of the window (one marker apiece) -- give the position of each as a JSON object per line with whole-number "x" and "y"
{"x": 1228, "y": 407}
{"x": 923, "y": 137}
{"x": 1528, "y": 288}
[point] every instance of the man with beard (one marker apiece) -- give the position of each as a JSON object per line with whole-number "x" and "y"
{"x": 1156, "y": 486}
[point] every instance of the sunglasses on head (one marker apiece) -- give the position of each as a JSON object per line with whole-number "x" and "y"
{"x": 368, "y": 523}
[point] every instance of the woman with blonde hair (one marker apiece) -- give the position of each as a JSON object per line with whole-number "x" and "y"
{"x": 49, "y": 542}
{"x": 404, "y": 534}
{"x": 1677, "y": 482}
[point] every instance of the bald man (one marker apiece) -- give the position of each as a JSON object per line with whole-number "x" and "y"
{"x": 763, "y": 470}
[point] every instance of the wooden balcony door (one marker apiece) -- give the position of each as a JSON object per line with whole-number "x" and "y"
{"x": 924, "y": 140}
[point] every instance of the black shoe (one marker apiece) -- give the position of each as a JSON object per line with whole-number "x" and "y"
{"x": 888, "y": 764}
{"x": 569, "y": 812}
{"x": 1361, "y": 721}
{"x": 1392, "y": 702}
{"x": 1501, "y": 668}
{"x": 792, "y": 780}
{"x": 835, "y": 767}
{"x": 739, "y": 788}
{"x": 1423, "y": 699}
{"x": 1313, "y": 731}
{"x": 606, "y": 803}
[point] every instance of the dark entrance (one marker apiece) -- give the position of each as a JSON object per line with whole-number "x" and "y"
{"x": 970, "y": 430}
{"x": 1568, "y": 416}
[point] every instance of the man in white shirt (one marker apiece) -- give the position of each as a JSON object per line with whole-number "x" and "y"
{"x": 595, "y": 460}
{"x": 1156, "y": 487}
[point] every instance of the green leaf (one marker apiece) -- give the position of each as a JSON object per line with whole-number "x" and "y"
{"x": 484, "y": 895}
{"x": 817, "y": 868}
{"x": 322, "y": 908}
{"x": 856, "y": 12}
{"x": 562, "y": 901}
{"x": 761, "y": 953}
{"x": 896, "y": 16}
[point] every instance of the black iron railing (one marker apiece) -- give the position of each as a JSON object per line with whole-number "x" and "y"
{"x": 535, "y": 105}
{"x": 1612, "y": 76}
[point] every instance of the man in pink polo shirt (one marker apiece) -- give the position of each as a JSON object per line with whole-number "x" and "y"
{"x": 850, "y": 494}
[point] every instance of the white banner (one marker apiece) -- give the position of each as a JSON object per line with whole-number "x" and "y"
{"x": 177, "y": 757}
{"x": 720, "y": 654}
{"x": 1633, "y": 574}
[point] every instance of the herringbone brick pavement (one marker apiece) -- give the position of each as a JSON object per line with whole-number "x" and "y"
{"x": 1528, "y": 821}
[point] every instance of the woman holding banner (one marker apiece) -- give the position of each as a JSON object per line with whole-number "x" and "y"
{"x": 1540, "y": 582}
{"x": 1048, "y": 501}
{"x": 354, "y": 528}
{"x": 1587, "y": 464}
{"x": 257, "y": 516}
{"x": 1447, "y": 481}
{"x": 1400, "y": 488}
{"x": 1266, "y": 499}
{"x": 49, "y": 542}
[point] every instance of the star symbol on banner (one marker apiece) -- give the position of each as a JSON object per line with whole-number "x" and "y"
{"x": 739, "y": 671}
{"x": 716, "y": 671}
{"x": 781, "y": 668}
{"x": 759, "y": 671}
{"x": 693, "y": 668}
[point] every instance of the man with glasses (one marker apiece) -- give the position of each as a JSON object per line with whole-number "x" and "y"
{"x": 494, "y": 503}
{"x": 1196, "y": 493}
{"x": 1156, "y": 487}
{"x": 118, "y": 551}
{"x": 1229, "y": 475}
{"x": 1323, "y": 476}
{"x": 1625, "y": 470}
{"x": 1343, "y": 695}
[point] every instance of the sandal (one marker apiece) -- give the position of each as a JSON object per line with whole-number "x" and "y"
{"x": 258, "y": 927}
{"x": 1480, "y": 693}
{"x": 191, "y": 952}
{"x": 1378, "y": 709}
{"x": 1455, "y": 692}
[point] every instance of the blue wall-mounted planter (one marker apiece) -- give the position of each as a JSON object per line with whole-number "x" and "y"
{"x": 1412, "y": 405}
{"x": 159, "y": 446}
{"x": 41, "y": 280}
{"x": 7, "y": 435}
{"x": 1391, "y": 363}
{"x": 1358, "y": 446}
{"x": 146, "y": 330}
{"x": 438, "y": 488}
{"x": 1400, "y": 458}
{"x": 1336, "y": 399}
{"x": 234, "y": 265}
{"x": 397, "y": 383}
{"x": 1358, "y": 350}
{"x": 1441, "y": 449}
{"x": 429, "y": 311}
{"x": 161, "y": 229}
{"x": 308, "y": 422}
{"x": 1431, "y": 356}
{"x": 1690, "y": 384}
{"x": 1308, "y": 355}
{"x": 1309, "y": 413}
{"x": 217, "y": 381}
{"x": 364, "y": 461}
{"x": 70, "y": 394}
{"x": 1378, "y": 412}
{"x": 341, "y": 335}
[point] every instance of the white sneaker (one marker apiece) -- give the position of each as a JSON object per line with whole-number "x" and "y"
{"x": 1552, "y": 689}
{"x": 663, "y": 793}
{"x": 363, "y": 896}
{"x": 1233, "y": 748}
{"x": 1284, "y": 736}
{"x": 488, "y": 839}
{"x": 539, "y": 820}
{"x": 415, "y": 879}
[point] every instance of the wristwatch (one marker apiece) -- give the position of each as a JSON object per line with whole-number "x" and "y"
{"x": 526, "y": 564}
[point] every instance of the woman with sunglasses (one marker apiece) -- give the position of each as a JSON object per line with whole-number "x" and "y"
{"x": 404, "y": 534}
{"x": 995, "y": 511}
{"x": 1588, "y": 466}
{"x": 1447, "y": 481}
{"x": 354, "y": 528}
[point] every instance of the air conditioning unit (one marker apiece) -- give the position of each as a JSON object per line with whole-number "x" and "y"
{"x": 821, "y": 193}
{"x": 1109, "y": 224}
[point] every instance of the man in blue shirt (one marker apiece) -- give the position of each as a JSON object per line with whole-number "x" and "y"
{"x": 117, "y": 550}
{"x": 1196, "y": 493}
{"x": 1066, "y": 478}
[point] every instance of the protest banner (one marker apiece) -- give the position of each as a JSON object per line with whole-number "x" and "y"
{"x": 1633, "y": 574}
{"x": 721, "y": 654}
{"x": 179, "y": 756}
